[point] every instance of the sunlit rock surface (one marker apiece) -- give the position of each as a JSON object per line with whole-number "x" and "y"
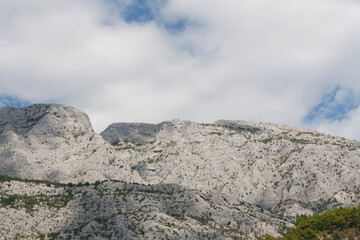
{"x": 249, "y": 178}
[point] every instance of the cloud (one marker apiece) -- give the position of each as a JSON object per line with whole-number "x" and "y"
{"x": 135, "y": 60}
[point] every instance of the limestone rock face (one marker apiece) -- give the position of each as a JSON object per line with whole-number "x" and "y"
{"x": 119, "y": 210}
{"x": 45, "y": 119}
{"x": 56, "y": 142}
{"x": 246, "y": 178}
{"x": 285, "y": 170}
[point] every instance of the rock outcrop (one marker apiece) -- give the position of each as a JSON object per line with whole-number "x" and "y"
{"x": 45, "y": 119}
{"x": 131, "y": 132}
{"x": 56, "y": 142}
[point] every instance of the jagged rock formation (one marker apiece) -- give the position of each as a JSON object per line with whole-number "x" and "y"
{"x": 280, "y": 170}
{"x": 56, "y": 142}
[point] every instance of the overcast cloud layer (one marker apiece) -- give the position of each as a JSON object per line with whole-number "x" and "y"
{"x": 282, "y": 61}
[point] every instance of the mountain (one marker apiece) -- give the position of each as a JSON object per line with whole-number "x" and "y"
{"x": 237, "y": 179}
{"x": 282, "y": 169}
{"x": 56, "y": 142}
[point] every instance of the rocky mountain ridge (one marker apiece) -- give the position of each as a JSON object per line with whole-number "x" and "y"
{"x": 56, "y": 142}
{"x": 283, "y": 169}
{"x": 277, "y": 171}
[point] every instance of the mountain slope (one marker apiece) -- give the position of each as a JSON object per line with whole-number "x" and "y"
{"x": 119, "y": 210}
{"x": 257, "y": 176}
{"x": 286, "y": 170}
{"x": 340, "y": 223}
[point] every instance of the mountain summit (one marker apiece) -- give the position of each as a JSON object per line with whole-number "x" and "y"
{"x": 49, "y": 119}
{"x": 54, "y": 142}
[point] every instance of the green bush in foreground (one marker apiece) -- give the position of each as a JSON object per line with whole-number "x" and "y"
{"x": 334, "y": 224}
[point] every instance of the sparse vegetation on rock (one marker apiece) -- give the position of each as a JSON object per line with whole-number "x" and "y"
{"x": 176, "y": 179}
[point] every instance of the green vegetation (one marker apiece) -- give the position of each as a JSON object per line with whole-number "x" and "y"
{"x": 334, "y": 224}
{"x": 216, "y": 133}
{"x": 38, "y": 235}
{"x": 28, "y": 202}
{"x": 116, "y": 143}
{"x": 4, "y": 178}
{"x": 300, "y": 141}
{"x": 157, "y": 151}
{"x": 266, "y": 140}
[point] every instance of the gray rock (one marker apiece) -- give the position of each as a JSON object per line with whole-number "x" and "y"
{"x": 237, "y": 126}
{"x": 130, "y": 132}
{"x": 55, "y": 142}
{"x": 119, "y": 210}
{"x": 52, "y": 119}
{"x": 237, "y": 165}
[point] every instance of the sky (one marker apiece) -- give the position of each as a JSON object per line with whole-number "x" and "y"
{"x": 280, "y": 61}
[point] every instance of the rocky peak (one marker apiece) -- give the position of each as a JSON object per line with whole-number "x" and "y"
{"x": 39, "y": 119}
{"x": 54, "y": 142}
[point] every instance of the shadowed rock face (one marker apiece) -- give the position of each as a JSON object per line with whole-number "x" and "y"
{"x": 130, "y": 132}
{"x": 237, "y": 126}
{"x": 120, "y": 210}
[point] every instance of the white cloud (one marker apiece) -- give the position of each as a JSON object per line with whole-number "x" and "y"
{"x": 256, "y": 60}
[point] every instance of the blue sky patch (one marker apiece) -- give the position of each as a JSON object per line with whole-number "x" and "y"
{"x": 178, "y": 26}
{"x": 12, "y": 101}
{"x": 335, "y": 105}
{"x": 139, "y": 11}
{"x": 143, "y": 11}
